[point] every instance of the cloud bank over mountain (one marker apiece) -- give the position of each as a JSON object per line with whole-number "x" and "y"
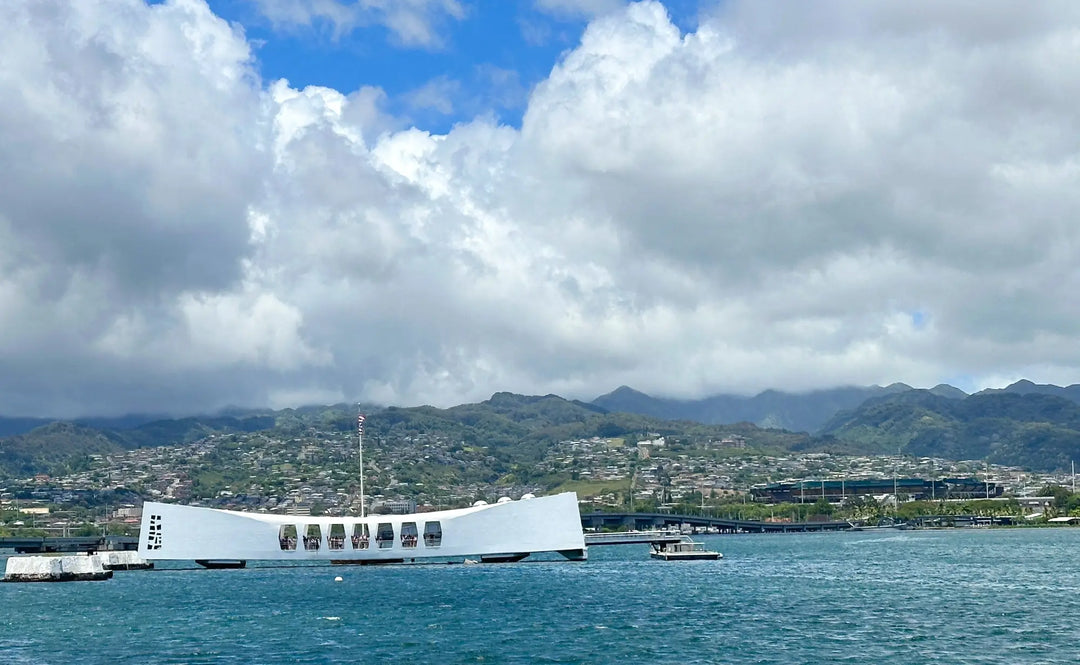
{"x": 803, "y": 196}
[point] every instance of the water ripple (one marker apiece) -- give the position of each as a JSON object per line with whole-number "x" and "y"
{"x": 957, "y": 597}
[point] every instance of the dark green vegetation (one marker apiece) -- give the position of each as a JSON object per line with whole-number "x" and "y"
{"x": 865, "y": 509}
{"x": 1025, "y": 387}
{"x": 861, "y": 510}
{"x": 513, "y": 431}
{"x": 53, "y": 447}
{"x": 1025, "y": 425}
{"x": 63, "y": 447}
{"x": 1034, "y": 430}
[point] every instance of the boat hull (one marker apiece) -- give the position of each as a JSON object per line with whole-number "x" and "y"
{"x": 528, "y": 526}
{"x": 688, "y": 556}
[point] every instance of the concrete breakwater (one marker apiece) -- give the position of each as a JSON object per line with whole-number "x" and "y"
{"x": 56, "y": 568}
{"x": 126, "y": 560}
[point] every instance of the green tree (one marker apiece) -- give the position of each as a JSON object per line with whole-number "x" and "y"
{"x": 1060, "y": 494}
{"x": 823, "y": 507}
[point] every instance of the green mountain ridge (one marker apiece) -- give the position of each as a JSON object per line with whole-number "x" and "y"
{"x": 797, "y": 412}
{"x": 1035, "y": 430}
{"x": 1023, "y": 424}
{"x": 1025, "y": 387}
{"x": 513, "y": 429}
{"x": 53, "y": 447}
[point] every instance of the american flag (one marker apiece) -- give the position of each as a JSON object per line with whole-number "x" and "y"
{"x": 360, "y": 424}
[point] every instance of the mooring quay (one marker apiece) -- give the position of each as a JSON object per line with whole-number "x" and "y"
{"x": 665, "y": 521}
{"x": 632, "y": 537}
{"x": 39, "y": 545}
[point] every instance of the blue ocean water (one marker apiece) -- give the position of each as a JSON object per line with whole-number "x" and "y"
{"x": 963, "y": 596}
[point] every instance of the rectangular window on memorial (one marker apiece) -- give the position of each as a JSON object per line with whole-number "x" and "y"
{"x": 360, "y": 537}
{"x": 408, "y": 534}
{"x": 312, "y": 537}
{"x": 336, "y": 539}
{"x": 384, "y": 536}
{"x": 287, "y": 537}
{"x": 432, "y": 534}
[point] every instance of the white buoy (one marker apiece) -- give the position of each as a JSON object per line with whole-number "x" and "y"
{"x": 338, "y": 578}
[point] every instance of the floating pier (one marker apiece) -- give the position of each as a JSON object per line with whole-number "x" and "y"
{"x": 76, "y": 568}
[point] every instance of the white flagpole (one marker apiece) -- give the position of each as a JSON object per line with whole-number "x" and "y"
{"x": 360, "y": 437}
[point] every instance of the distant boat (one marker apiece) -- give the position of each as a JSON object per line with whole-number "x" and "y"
{"x": 686, "y": 549}
{"x": 882, "y": 524}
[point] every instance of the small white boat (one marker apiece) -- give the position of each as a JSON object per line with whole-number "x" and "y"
{"x": 686, "y": 549}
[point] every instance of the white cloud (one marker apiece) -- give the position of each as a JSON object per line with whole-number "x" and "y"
{"x": 437, "y": 94}
{"x": 833, "y": 193}
{"x": 578, "y": 8}
{"x": 413, "y": 23}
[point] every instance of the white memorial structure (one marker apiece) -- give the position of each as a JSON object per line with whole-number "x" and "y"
{"x": 504, "y": 531}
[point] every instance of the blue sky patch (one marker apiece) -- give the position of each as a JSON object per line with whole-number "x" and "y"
{"x": 485, "y": 62}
